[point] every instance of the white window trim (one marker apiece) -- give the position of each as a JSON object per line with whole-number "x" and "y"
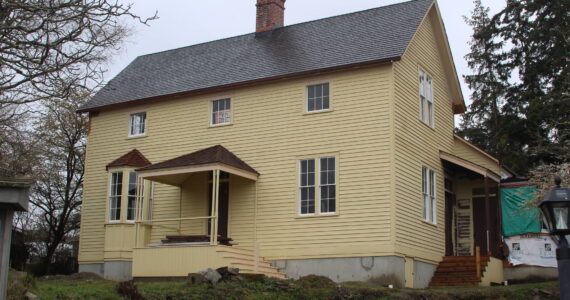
{"x": 138, "y": 195}
{"x": 431, "y": 120}
{"x": 131, "y": 124}
{"x": 109, "y": 195}
{"x": 299, "y": 180}
{"x": 317, "y": 186}
{"x": 306, "y": 97}
{"x": 211, "y": 111}
{"x": 321, "y": 185}
{"x": 430, "y": 194}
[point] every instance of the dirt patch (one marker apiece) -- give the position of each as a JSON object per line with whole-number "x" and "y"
{"x": 74, "y": 276}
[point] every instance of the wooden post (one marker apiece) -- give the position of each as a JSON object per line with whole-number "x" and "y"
{"x": 487, "y": 215}
{"x": 214, "y": 213}
{"x": 478, "y": 262}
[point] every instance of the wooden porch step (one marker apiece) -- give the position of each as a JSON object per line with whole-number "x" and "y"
{"x": 245, "y": 261}
{"x": 458, "y": 271}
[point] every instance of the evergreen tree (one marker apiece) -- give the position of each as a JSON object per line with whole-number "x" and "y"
{"x": 521, "y": 107}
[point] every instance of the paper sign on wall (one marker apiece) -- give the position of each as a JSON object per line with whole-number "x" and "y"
{"x": 534, "y": 250}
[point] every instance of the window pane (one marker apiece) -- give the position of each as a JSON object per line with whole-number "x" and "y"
{"x": 132, "y": 183}
{"x": 324, "y": 165}
{"x": 131, "y": 208}
{"x": 311, "y": 104}
{"x": 325, "y": 90}
{"x": 311, "y": 165}
{"x": 132, "y": 194}
{"x": 332, "y": 205}
{"x": 325, "y": 192}
{"x": 326, "y": 102}
{"x": 319, "y": 103}
{"x": 324, "y": 205}
{"x": 312, "y": 91}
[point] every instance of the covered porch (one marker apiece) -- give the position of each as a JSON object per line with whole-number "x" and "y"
{"x": 191, "y": 231}
{"x": 473, "y": 252}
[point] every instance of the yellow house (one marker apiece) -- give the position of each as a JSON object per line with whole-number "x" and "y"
{"x": 325, "y": 147}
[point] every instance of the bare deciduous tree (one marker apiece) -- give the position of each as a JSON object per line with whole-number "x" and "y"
{"x": 57, "y": 194}
{"x": 50, "y": 47}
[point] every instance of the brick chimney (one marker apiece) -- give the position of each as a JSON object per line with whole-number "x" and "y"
{"x": 270, "y": 15}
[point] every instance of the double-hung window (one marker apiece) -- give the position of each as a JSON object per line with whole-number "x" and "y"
{"x": 318, "y": 97}
{"x": 321, "y": 171}
{"x": 137, "y": 124}
{"x": 221, "y": 111}
{"x": 307, "y": 186}
{"x": 328, "y": 185}
{"x": 428, "y": 195}
{"x": 426, "y": 98}
{"x": 132, "y": 196}
{"x": 115, "y": 194}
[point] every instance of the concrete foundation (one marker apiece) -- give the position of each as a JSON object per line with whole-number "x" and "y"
{"x": 118, "y": 270}
{"x": 382, "y": 270}
{"x": 530, "y": 274}
{"x": 92, "y": 268}
{"x": 111, "y": 270}
{"x": 423, "y": 272}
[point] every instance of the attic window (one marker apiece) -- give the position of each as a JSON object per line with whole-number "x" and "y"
{"x": 318, "y": 97}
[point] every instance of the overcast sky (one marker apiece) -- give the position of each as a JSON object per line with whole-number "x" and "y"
{"x": 187, "y": 22}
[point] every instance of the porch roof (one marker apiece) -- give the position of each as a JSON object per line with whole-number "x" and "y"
{"x": 176, "y": 170}
{"x": 469, "y": 166}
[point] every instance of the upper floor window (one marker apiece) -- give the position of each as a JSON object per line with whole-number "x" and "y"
{"x": 428, "y": 195}
{"x": 115, "y": 192}
{"x": 426, "y": 98}
{"x": 318, "y": 97}
{"x": 221, "y": 111}
{"x": 323, "y": 172}
{"x": 137, "y": 125}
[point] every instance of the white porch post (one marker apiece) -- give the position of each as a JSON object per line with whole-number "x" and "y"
{"x": 214, "y": 213}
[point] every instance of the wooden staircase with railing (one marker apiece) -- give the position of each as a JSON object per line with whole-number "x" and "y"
{"x": 460, "y": 271}
{"x": 248, "y": 263}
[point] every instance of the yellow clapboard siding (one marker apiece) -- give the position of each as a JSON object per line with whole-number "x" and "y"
{"x": 271, "y": 133}
{"x": 418, "y": 145}
{"x": 468, "y": 152}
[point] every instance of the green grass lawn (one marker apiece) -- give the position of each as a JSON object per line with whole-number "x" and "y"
{"x": 64, "y": 289}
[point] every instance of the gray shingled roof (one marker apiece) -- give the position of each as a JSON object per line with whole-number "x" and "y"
{"x": 363, "y": 37}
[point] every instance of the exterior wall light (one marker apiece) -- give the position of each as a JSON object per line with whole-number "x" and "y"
{"x": 556, "y": 210}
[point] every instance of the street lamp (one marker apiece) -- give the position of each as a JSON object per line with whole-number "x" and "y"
{"x": 556, "y": 210}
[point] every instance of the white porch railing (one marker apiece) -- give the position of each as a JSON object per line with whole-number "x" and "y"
{"x": 143, "y": 220}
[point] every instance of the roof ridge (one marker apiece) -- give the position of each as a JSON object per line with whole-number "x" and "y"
{"x": 288, "y": 26}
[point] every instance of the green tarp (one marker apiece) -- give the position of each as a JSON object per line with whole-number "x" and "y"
{"x": 518, "y": 217}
